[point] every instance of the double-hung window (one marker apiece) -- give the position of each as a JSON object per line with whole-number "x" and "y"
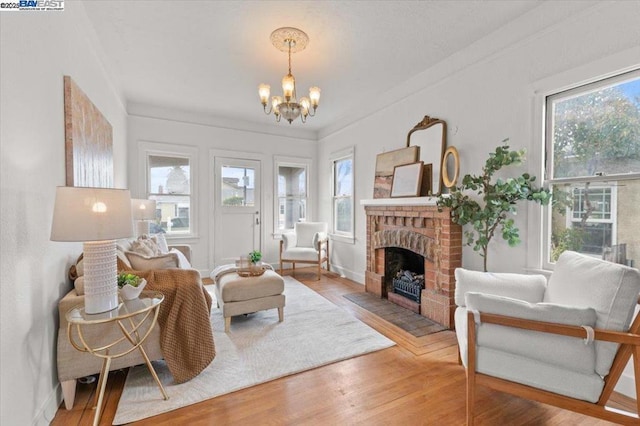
{"x": 292, "y": 189}
{"x": 169, "y": 182}
{"x": 342, "y": 194}
{"x": 593, "y": 169}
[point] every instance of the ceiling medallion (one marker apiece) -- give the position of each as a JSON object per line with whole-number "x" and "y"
{"x": 290, "y": 40}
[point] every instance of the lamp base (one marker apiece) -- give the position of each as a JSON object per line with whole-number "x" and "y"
{"x": 142, "y": 228}
{"x": 100, "y": 276}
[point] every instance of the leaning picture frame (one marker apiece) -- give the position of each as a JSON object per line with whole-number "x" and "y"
{"x": 407, "y": 180}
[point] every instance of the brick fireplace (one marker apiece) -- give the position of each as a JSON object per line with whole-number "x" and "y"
{"x": 416, "y": 225}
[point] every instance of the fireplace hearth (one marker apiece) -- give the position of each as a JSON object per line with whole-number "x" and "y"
{"x": 414, "y": 225}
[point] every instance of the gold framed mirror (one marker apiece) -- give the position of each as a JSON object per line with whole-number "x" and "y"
{"x": 430, "y": 135}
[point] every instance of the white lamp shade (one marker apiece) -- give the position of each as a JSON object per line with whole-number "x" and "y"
{"x": 91, "y": 214}
{"x": 143, "y": 209}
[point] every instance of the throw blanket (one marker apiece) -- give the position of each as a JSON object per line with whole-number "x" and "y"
{"x": 186, "y": 337}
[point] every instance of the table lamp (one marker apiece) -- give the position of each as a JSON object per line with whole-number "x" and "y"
{"x": 97, "y": 217}
{"x": 143, "y": 211}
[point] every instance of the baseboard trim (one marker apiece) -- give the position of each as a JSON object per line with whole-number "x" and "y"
{"x": 48, "y": 411}
{"x": 347, "y": 273}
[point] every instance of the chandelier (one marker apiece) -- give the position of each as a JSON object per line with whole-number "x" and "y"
{"x": 291, "y": 40}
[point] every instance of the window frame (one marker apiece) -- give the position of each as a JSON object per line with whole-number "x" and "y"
{"x": 284, "y": 161}
{"x": 542, "y": 248}
{"x": 147, "y": 149}
{"x": 347, "y": 153}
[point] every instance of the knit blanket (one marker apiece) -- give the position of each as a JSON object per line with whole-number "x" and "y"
{"x": 186, "y": 337}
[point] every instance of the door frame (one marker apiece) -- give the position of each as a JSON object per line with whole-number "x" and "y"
{"x": 242, "y": 155}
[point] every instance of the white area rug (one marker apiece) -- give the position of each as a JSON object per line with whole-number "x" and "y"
{"x": 258, "y": 349}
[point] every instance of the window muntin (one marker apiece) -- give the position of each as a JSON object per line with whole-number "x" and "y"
{"x": 342, "y": 196}
{"x": 593, "y": 167}
{"x": 169, "y": 183}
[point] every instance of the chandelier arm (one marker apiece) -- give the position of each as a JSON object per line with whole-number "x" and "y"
{"x": 303, "y": 118}
{"x": 265, "y": 108}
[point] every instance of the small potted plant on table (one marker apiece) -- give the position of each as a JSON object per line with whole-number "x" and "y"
{"x": 130, "y": 286}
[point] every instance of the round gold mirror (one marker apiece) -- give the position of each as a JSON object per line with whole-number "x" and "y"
{"x": 450, "y": 162}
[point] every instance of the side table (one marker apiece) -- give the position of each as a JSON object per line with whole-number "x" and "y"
{"x": 128, "y": 317}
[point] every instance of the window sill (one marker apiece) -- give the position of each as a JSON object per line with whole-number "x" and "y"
{"x": 343, "y": 238}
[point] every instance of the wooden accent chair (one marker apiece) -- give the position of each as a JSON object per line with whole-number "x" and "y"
{"x": 564, "y": 343}
{"x": 308, "y": 243}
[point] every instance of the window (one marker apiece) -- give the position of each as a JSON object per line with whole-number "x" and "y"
{"x": 292, "y": 192}
{"x": 238, "y": 186}
{"x": 342, "y": 193}
{"x": 169, "y": 183}
{"x": 593, "y": 168}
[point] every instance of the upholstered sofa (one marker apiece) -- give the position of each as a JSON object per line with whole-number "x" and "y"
{"x": 73, "y": 364}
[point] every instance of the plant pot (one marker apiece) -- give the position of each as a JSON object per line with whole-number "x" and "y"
{"x": 129, "y": 292}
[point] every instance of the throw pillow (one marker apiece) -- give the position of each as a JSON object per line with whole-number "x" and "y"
{"x": 145, "y": 246}
{"x": 145, "y": 263}
{"x": 161, "y": 241}
{"x": 79, "y": 285}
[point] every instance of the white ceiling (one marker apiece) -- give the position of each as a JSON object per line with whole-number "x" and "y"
{"x": 208, "y": 57}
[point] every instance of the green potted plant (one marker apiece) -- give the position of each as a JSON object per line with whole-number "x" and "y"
{"x": 255, "y": 256}
{"x": 488, "y": 211}
{"x": 130, "y": 285}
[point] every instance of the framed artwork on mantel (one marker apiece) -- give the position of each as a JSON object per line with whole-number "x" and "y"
{"x": 88, "y": 140}
{"x": 407, "y": 180}
{"x": 385, "y": 164}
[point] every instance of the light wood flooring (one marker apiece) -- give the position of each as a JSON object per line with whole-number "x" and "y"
{"x": 416, "y": 382}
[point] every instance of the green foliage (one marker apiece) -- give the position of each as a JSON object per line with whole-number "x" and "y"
{"x": 233, "y": 201}
{"x": 131, "y": 279}
{"x": 593, "y": 130}
{"x": 567, "y": 239}
{"x": 492, "y": 212}
{"x": 255, "y": 256}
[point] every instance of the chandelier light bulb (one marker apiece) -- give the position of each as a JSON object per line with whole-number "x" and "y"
{"x": 264, "y": 90}
{"x": 314, "y": 95}
{"x": 305, "y": 104}
{"x": 288, "y": 86}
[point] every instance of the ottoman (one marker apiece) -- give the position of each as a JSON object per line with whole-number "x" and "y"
{"x": 238, "y": 295}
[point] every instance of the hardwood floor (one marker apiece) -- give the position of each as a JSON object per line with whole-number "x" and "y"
{"x": 416, "y": 382}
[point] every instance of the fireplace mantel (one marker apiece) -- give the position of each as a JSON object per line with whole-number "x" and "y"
{"x": 405, "y": 201}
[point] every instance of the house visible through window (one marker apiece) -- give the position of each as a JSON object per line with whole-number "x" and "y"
{"x": 169, "y": 183}
{"x": 593, "y": 169}
{"x": 292, "y": 196}
{"x": 342, "y": 193}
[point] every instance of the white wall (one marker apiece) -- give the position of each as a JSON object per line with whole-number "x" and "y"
{"x": 207, "y": 137}
{"x": 38, "y": 48}
{"x": 486, "y": 93}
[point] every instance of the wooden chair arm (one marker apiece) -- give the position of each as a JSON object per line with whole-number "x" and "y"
{"x": 554, "y": 328}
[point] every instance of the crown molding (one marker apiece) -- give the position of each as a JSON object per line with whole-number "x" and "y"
{"x": 136, "y": 109}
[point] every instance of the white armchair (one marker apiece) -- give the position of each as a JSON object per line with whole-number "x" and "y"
{"x": 309, "y": 243}
{"x": 563, "y": 343}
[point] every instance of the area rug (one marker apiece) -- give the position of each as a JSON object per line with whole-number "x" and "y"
{"x": 412, "y": 323}
{"x": 258, "y": 349}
